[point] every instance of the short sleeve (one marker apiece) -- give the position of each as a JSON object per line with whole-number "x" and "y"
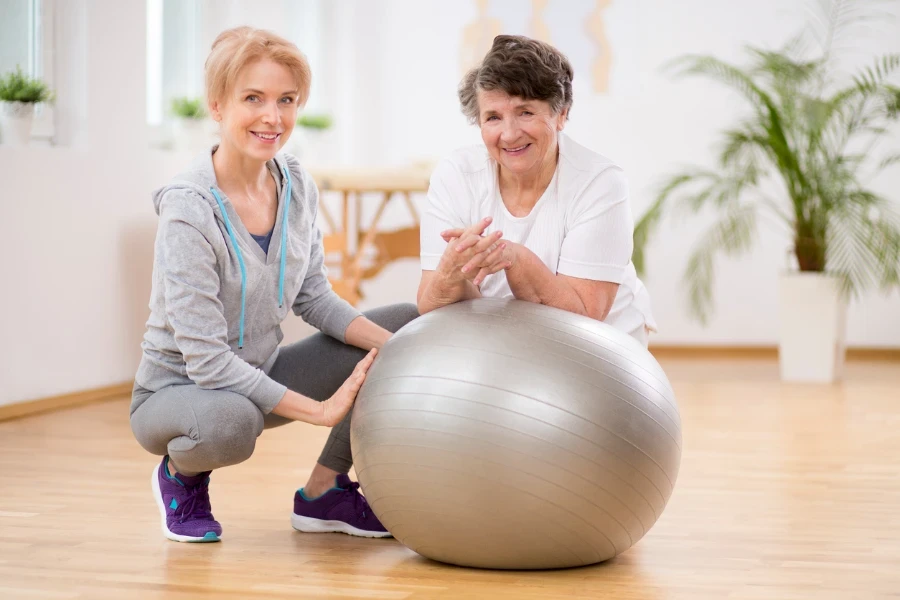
{"x": 600, "y": 228}
{"x": 446, "y": 193}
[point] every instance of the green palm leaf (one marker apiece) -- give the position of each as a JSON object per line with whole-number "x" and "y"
{"x": 731, "y": 235}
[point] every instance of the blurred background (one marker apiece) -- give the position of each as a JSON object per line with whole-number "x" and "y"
{"x": 77, "y": 224}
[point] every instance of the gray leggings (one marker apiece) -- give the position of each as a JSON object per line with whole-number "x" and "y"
{"x": 204, "y": 430}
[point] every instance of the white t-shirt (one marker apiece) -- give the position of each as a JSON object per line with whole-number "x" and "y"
{"x": 581, "y": 226}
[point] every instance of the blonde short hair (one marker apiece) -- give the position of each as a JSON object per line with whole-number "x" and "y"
{"x": 235, "y": 48}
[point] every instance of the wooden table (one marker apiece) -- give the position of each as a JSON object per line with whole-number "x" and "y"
{"x": 355, "y": 250}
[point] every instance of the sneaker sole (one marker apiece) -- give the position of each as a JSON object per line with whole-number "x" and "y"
{"x": 310, "y": 525}
{"x": 157, "y": 495}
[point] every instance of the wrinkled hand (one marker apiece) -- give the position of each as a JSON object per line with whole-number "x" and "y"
{"x": 477, "y": 255}
{"x": 456, "y": 256}
{"x": 336, "y": 408}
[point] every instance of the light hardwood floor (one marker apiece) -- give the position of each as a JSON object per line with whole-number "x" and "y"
{"x": 785, "y": 491}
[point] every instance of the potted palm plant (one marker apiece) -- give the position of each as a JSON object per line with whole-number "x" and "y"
{"x": 190, "y": 124}
{"x": 814, "y": 137}
{"x": 19, "y": 94}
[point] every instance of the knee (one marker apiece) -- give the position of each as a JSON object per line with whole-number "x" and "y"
{"x": 235, "y": 442}
{"x": 395, "y": 316}
{"x": 147, "y": 435}
{"x": 225, "y": 438}
{"x": 407, "y": 312}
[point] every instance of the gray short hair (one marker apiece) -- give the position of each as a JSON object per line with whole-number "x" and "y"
{"x": 523, "y": 67}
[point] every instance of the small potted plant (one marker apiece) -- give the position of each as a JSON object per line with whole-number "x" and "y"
{"x": 18, "y": 95}
{"x": 189, "y": 125}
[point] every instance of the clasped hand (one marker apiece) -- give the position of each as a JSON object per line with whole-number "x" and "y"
{"x": 473, "y": 256}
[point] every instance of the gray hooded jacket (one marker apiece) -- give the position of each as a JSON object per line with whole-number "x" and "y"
{"x": 218, "y": 301}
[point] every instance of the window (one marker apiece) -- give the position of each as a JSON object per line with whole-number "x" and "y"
{"x": 181, "y": 32}
{"x": 17, "y": 33}
{"x": 26, "y": 41}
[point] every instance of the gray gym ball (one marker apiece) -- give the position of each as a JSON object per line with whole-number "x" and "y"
{"x": 509, "y": 435}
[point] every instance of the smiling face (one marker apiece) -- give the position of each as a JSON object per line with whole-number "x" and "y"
{"x": 521, "y": 135}
{"x": 258, "y": 114}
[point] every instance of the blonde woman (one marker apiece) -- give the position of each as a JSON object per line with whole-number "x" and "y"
{"x": 236, "y": 249}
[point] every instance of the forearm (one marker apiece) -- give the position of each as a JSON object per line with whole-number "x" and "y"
{"x": 297, "y": 407}
{"x": 365, "y": 334}
{"x": 444, "y": 289}
{"x": 212, "y": 366}
{"x": 531, "y": 280}
{"x": 325, "y": 310}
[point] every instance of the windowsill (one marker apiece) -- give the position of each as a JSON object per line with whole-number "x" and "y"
{"x": 33, "y": 144}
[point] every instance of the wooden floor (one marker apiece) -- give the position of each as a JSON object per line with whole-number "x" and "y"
{"x": 785, "y": 491}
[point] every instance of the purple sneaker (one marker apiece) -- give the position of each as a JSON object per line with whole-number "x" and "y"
{"x": 183, "y": 504}
{"x": 342, "y": 509}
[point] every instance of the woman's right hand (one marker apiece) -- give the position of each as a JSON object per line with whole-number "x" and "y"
{"x": 336, "y": 408}
{"x": 473, "y": 255}
{"x": 467, "y": 250}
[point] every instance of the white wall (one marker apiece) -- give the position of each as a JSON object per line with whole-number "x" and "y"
{"x": 648, "y": 122}
{"x": 75, "y": 219}
{"x": 77, "y": 224}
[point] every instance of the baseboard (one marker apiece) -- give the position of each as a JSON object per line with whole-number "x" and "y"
{"x": 32, "y": 407}
{"x": 762, "y": 352}
{"x": 24, "y": 409}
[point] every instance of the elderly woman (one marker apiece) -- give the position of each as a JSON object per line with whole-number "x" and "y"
{"x": 237, "y": 248}
{"x": 531, "y": 214}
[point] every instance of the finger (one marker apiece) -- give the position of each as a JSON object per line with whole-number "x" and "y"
{"x": 369, "y": 358}
{"x": 361, "y": 369}
{"x": 477, "y": 261}
{"x": 479, "y": 227}
{"x": 488, "y": 241}
{"x": 467, "y": 241}
{"x": 480, "y": 277}
{"x": 354, "y": 383}
{"x": 489, "y": 265}
{"x": 448, "y": 234}
{"x": 490, "y": 254}
{"x": 490, "y": 270}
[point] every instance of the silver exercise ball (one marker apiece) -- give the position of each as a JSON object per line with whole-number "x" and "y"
{"x": 509, "y": 435}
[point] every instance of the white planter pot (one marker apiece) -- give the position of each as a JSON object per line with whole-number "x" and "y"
{"x": 190, "y": 135}
{"x": 813, "y": 328}
{"x": 312, "y": 146}
{"x": 15, "y": 122}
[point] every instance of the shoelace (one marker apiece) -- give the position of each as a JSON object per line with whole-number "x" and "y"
{"x": 196, "y": 499}
{"x": 360, "y": 505}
